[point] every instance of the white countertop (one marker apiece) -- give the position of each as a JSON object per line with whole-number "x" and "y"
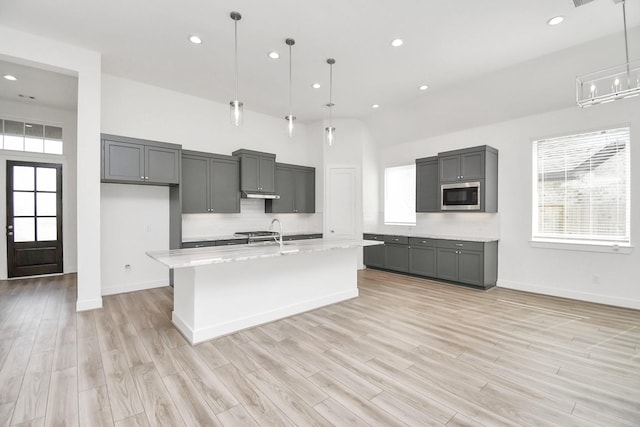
{"x": 177, "y": 258}
{"x": 233, "y": 236}
{"x": 434, "y": 236}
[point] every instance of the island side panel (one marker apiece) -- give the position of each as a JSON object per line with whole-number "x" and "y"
{"x": 183, "y": 316}
{"x": 232, "y": 296}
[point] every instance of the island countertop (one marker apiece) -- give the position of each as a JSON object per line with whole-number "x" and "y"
{"x": 193, "y": 257}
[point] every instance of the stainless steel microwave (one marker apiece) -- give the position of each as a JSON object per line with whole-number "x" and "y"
{"x": 464, "y": 196}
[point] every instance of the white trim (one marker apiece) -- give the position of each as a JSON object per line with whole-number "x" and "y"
{"x": 140, "y": 286}
{"x": 89, "y": 304}
{"x": 583, "y": 247}
{"x": 571, "y": 294}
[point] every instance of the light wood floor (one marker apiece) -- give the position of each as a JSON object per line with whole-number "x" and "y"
{"x": 406, "y": 352}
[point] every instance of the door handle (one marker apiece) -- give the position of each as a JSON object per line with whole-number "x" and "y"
{"x": 9, "y": 227}
{"x": 10, "y": 233}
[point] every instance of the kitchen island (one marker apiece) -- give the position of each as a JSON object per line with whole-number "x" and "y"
{"x": 223, "y": 289}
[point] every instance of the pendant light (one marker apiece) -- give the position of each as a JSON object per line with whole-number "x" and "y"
{"x": 329, "y": 131}
{"x": 619, "y": 82}
{"x": 290, "y": 118}
{"x": 236, "y": 105}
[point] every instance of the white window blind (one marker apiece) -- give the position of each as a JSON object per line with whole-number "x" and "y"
{"x": 400, "y": 195}
{"x": 581, "y": 188}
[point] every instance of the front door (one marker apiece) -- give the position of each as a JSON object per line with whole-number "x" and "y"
{"x": 34, "y": 218}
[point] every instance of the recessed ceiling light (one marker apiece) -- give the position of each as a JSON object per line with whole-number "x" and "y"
{"x": 555, "y": 20}
{"x": 316, "y": 85}
{"x": 10, "y": 77}
{"x": 423, "y": 87}
{"x": 274, "y": 55}
{"x": 195, "y": 39}
{"x": 375, "y": 106}
{"x": 397, "y": 42}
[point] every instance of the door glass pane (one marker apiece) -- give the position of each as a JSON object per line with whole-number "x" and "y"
{"x": 23, "y": 178}
{"x": 46, "y": 204}
{"x": 47, "y": 229}
{"x": 52, "y": 146}
{"x": 24, "y": 230}
{"x": 23, "y": 204}
{"x": 46, "y": 178}
{"x": 13, "y": 142}
{"x": 33, "y": 145}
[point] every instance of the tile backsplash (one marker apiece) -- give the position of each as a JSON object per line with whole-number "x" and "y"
{"x": 251, "y": 218}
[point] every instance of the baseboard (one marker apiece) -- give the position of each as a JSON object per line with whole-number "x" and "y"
{"x": 221, "y": 329}
{"x": 132, "y": 287}
{"x": 571, "y": 294}
{"x": 88, "y": 304}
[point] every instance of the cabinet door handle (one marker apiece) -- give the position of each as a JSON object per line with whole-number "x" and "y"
{"x": 146, "y": 177}
{"x": 459, "y": 244}
{"x": 142, "y": 177}
{"x": 424, "y": 241}
{"x": 461, "y": 176}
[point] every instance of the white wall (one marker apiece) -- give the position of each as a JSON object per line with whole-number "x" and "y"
{"x": 142, "y": 111}
{"x": 66, "y": 119}
{"x": 85, "y": 64}
{"x": 550, "y": 271}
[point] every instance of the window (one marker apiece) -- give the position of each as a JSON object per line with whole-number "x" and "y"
{"x": 400, "y": 195}
{"x": 581, "y": 188}
{"x": 32, "y": 137}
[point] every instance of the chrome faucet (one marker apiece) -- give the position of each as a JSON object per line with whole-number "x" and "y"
{"x": 279, "y": 237}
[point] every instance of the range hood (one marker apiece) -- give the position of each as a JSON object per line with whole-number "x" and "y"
{"x": 258, "y": 195}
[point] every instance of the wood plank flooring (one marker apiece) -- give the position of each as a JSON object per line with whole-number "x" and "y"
{"x": 407, "y": 352}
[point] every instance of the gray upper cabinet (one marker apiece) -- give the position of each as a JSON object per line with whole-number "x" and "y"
{"x": 224, "y": 183}
{"x": 257, "y": 171}
{"x": 131, "y": 160}
{"x": 427, "y": 187}
{"x": 296, "y": 186}
{"x": 462, "y": 165}
{"x": 476, "y": 164}
{"x": 210, "y": 183}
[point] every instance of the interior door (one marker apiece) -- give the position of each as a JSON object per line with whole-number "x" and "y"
{"x": 340, "y": 210}
{"x": 34, "y": 218}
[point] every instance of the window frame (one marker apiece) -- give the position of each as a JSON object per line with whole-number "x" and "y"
{"x": 575, "y": 243}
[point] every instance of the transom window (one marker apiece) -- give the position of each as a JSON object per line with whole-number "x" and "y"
{"x": 581, "y": 188}
{"x": 31, "y": 137}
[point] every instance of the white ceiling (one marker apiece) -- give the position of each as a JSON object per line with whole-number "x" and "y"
{"x": 449, "y": 45}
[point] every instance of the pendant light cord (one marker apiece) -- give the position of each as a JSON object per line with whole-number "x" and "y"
{"x": 235, "y": 26}
{"x": 330, "y": 92}
{"x": 290, "y": 85}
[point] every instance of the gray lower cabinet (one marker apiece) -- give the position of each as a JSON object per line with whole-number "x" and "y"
{"x": 210, "y": 183}
{"x": 465, "y": 262}
{"x": 422, "y": 256}
{"x": 257, "y": 171}
{"x": 296, "y": 186}
{"x": 136, "y": 161}
{"x": 427, "y": 185}
{"x": 374, "y": 255}
{"x": 396, "y": 253}
{"x": 471, "y": 263}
